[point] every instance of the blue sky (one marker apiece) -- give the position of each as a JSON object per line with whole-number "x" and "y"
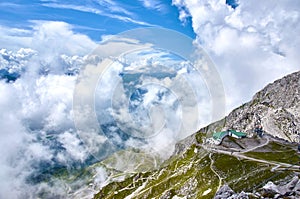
{"x": 95, "y": 18}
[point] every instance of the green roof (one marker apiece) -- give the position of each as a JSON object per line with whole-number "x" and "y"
{"x": 220, "y": 135}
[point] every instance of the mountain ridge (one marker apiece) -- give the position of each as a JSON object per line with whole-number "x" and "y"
{"x": 244, "y": 117}
{"x": 198, "y": 169}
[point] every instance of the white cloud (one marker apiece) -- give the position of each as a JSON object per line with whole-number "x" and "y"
{"x": 14, "y": 38}
{"x": 251, "y": 45}
{"x": 73, "y": 146}
{"x": 185, "y": 104}
{"x": 40, "y": 102}
{"x": 36, "y": 113}
{"x": 112, "y": 6}
{"x": 37, "y": 109}
{"x": 13, "y": 135}
{"x": 183, "y": 15}
{"x": 154, "y": 5}
{"x": 59, "y": 39}
{"x": 124, "y": 18}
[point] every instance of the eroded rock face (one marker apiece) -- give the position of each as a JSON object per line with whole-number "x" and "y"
{"x": 276, "y": 108}
{"x": 289, "y": 190}
{"x": 224, "y": 192}
{"x": 270, "y": 190}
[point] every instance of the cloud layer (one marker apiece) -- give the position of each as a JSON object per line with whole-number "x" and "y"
{"x": 37, "y": 130}
{"x": 251, "y": 45}
{"x": 40, "y": 136}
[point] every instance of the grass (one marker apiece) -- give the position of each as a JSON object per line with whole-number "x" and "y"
{"x": 190, "y": 173}
{"x": 276, "y": 152}
{"x": 189, "y": 169}
{"x": 121, "y": 189}
{"x": 244, "y": 175}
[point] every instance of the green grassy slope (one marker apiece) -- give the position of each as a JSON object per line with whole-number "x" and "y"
{"x": 198, "y": 173}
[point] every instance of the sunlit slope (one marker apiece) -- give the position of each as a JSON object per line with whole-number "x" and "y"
{"x": 200, "y": 171}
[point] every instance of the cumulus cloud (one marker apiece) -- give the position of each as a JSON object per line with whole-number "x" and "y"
{"x": 36, "y": 122}
{"x": 251, "y": 45}
{"x": 38, "y": 133}
{"x": 152, "y": 95}
{"x": 73, "y": 146}
{"x": 41, "y": 137}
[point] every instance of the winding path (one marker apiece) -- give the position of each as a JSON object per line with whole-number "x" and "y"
{"x": 213, "y": 170}
{"x": 240, "y": 155}
{"x": 258, "y": 146}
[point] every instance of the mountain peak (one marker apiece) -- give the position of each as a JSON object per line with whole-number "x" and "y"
{"x": 276, "y": 108}
{"x": 283, "y": 93}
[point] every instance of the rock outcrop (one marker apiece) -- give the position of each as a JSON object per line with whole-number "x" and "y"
{"x": 289, "y": 190}
{"x": 225, "y": 192}
{"x": 270, "y": 190}
{"x": 276, "y": 108}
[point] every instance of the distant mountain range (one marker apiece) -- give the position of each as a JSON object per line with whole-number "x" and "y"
{"x": 14, "y": 63}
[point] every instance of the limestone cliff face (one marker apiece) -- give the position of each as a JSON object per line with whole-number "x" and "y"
{"x": 276, "y": 108}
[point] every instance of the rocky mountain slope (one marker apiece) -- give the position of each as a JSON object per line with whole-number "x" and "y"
{"x": 276, "y": 107}
{"x": 253, "y": 167}
{"x": 201, "y": 171}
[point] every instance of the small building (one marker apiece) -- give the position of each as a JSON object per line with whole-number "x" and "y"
{"x": 219, "y": 136}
